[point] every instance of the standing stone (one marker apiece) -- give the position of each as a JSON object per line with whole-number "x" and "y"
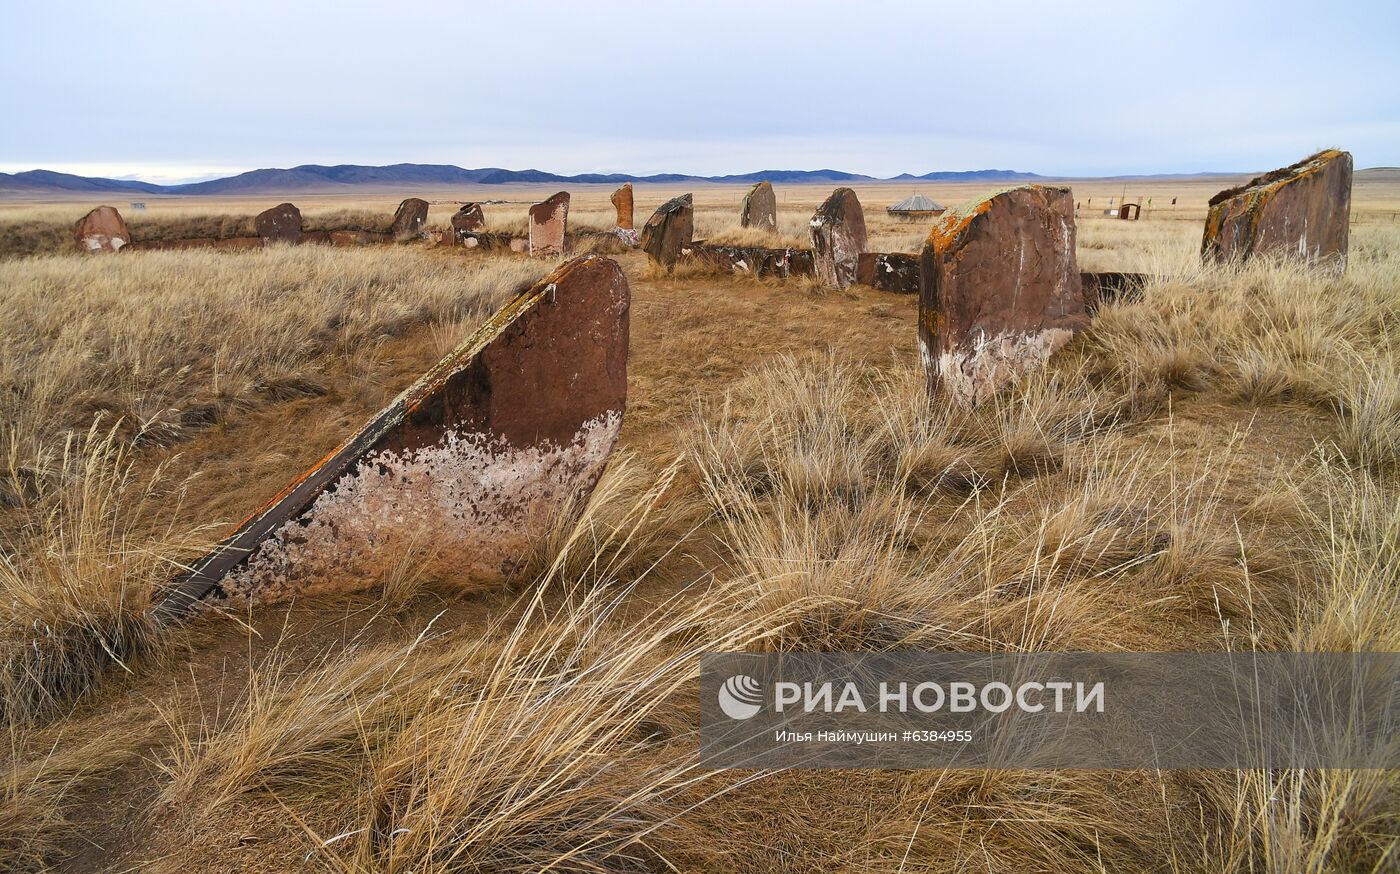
{"x": 999, "y": 290}
{"x": 548, "y": 224}
{"x": 409, "y": 219}
{"x": 670, "y": 228}
{"x": 1301, "y": 211}
{"x": 622, "y": 202}
{"x": 101, "y": 230}
{"x": 760, "y": 209}
{"x": 838, "y": 238}
{"x": 281, "y": 224}
{"x": 463, "y": 469}
{"x": 468, "y": 219}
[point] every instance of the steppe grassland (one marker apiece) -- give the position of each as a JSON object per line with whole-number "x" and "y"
{"x": 1213, "y": 467}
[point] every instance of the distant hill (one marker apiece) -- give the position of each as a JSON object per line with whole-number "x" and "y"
{"x": 344, "y": 177}
{"x": 41, "y": 181}
{"x": 971, "y": 176}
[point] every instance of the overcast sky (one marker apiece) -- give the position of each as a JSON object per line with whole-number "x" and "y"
{"x": 170, "y": 91}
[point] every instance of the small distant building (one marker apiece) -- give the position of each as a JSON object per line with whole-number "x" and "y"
{"x": 914, "y": 208}
{"x": 136, "y": 204}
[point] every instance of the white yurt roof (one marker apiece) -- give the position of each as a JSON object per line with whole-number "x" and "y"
{"x": 915, "y": 203}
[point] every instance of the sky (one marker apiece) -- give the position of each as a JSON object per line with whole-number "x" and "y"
{"x": 168, "y": 91}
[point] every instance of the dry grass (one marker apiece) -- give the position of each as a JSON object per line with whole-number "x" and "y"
{"x": 171, "y": 342}
{"x": 1210, "y": 468}
{"x": 78, "y": 574}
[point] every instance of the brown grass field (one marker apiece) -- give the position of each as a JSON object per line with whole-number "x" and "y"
{"x": 1214, "y": 467}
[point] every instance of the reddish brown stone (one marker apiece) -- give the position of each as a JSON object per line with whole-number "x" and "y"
{"x": 351, "y": 238}
{"x": 549, "y": 222}
{"x": 755, "y": 260}
{"x": 671, "y": 227}
{"x": 622, "y": 202}
{"x": 760, "y": 209}
{"x": 468, "y": 219}
{"x": 1000, "y": 290}
{"x": 281, "y": 224}
{"x": 463, "y": 469}
{"x": 838, "y": 238}
{"x": 409, "y": 219}
{"x": 101, "y": 230}
{"x": 889, "y": 271}
{"x": 1302, "y": 211}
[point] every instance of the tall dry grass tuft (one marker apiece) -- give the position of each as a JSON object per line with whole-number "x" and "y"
{"x": 559, "y": 742}
{"x": 632, "y": 526}
{"x": 78, "y": 574}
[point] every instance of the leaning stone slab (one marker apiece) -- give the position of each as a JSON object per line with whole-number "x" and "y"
{"x": 549, "y": 222}
{"x": 462, "y": 470}
{"x": 1301, "y": 211}
{"x": 838, "y": 238}
{"x": 760, "y": 208}
{"x": 468, "y": 219}
{"x": 101, "y": 230}
{"x": 281, "y": 224}
{"x": 409, "y": 219}
{"x": 622, "y": 202}
{"x": 999, "y": 290}
{"x": 889, "y": 271}
{"x": 755, "y": 260}
{"x": 670, "y": 228}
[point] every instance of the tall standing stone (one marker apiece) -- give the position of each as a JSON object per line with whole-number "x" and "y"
{"x": 1301, "y": 211}
{"x": 622, "y": 202}
{"x": 838, "y": 238}
{"x": 409, "y": 219}
{"x": 549, "y": 222}
{"x": 462, "y": 470}
{"x": 281, "y": 224}
{"x": 101, "y": 230}
{"x": 999, "y": 290}
{"x": 669, "y": 229}
{"x": 760, "y": 209}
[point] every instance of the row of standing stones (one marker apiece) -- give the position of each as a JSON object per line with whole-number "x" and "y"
{"x": 522, "y": 417}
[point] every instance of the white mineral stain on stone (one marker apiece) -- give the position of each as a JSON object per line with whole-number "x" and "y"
{"x": 971, "y": 377}
{"x": 469, "y": 505}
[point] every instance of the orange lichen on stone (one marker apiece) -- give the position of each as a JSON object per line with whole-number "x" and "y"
{"x": 1302, "y": 210}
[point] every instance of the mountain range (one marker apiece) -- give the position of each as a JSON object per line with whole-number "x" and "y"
{"x": 318, "y": 178}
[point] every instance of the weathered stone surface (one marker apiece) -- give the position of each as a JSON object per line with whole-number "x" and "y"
{"x": 463, "y": 468}
{"x": 487, "y": 240}
{"x": 409, "y": 219}
{"x": 622, "y": 202}
{"x": 756, "y": 260}
{"x": 1301, "y": 211}
{"x": 468, "y": 219}
{"x": 281, "y": 224}
{"x": 1102, "y": 288}
{"x": 760, "y": 209}
{"x": 101, "y": 230}
{"x": 549, "y": 222}
{"x": 999, "y": 290}
{"x": 669, "y": 228}
{"x": 889, "y": 271}
{"x": 355, "y": 238}
{"x": 519, "y": 244}
{"x": 838, "y": 238}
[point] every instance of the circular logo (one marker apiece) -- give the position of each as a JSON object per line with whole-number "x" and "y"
{"x": 741, "y": 697}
